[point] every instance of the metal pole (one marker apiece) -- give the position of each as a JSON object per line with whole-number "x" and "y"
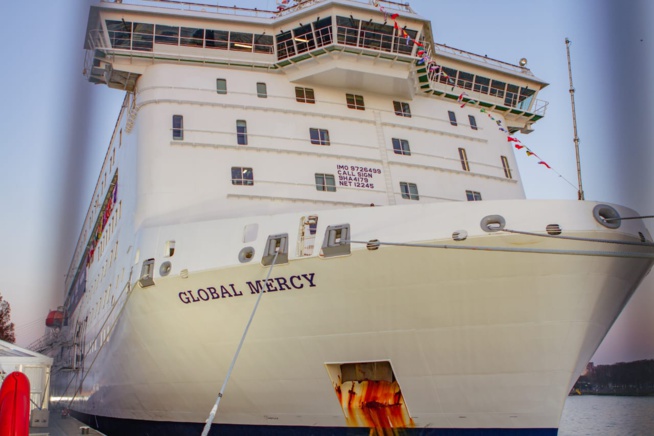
{"x": 580, "y": 192}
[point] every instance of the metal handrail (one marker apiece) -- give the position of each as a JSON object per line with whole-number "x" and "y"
{"x": 485, "y": 59}
{"x": 254, "y": 12}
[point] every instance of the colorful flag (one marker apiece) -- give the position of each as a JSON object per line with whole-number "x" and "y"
{"x": 545, "y": 163}
{"x": 519, "y": 146}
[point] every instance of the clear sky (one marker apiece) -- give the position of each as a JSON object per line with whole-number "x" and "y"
{"x": 46, "y": 115}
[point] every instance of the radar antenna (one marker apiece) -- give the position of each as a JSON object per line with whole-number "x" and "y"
{"x": 580, "y": 192}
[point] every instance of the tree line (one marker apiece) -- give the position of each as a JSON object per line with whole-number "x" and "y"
{"x": 624, "y": 378}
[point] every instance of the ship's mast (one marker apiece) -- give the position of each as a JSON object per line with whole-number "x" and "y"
{"x": 580, "y": 192}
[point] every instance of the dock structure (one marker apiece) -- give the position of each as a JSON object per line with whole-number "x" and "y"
{"x": 63, "y": 426}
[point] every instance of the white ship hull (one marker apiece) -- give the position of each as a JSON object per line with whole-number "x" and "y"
{"x": 476, "y": 339}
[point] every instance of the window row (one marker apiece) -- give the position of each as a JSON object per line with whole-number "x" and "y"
{"x": 353, "y": 101}
{"x": 513, "y": 95}
{"x": 327, "y": 182}
{"x": 348, "y": 31}
{"x": 142, "y": 36}
{"x": 321, "y": 137}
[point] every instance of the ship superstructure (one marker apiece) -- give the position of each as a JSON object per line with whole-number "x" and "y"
{"x": 331, "y": 156}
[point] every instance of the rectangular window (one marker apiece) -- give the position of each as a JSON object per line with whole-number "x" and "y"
{"x": 221, "y": 86}
{"x": 191, "y": 37}
{"x": 473, "y": 122}
{"x": 452, "y": 116}
{"x": 325, "y": 182}
{"x": 319, "y": 136}
{"x": 178, "y": 127}
{"x": 355, "y": 101}
{"x": 473, "y": 196}
{"x": 464, "y": 159}
{"x": 242, "y": 132}
{"x": 507, "y": 169}
{"x": 217, "y": 39}
{"x": 465, "y": 80}
{"x": 242, "y": 176}
{"x": 142, "y": 36}
{"x": 305, "y": 95}
{"x": 401, "y": 146}
{"x": 402, "y": 109}
{"x": 262, "y": 90}
{"x": 497, "y": 88}
{"x": 239, "y": 41}
{"x": 166, "y": 35}
{"x": 482, "y": 84}
{"x": 120, "y": 33}
{"x": 409, "y": 191}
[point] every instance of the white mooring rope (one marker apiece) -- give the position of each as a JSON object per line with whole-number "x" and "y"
{"x": 212, "y": 415}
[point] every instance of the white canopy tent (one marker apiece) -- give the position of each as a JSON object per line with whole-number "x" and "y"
{"x": 34, "y": 365}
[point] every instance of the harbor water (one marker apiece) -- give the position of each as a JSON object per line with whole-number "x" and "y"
{"x": 600, "y": 415}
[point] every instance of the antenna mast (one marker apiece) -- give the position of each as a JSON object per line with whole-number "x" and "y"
{"x": 580, "y": 192}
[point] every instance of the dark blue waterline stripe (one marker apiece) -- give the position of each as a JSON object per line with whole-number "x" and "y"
{"x": 130, "y": 427}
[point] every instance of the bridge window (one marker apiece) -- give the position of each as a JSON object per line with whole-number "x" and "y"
{"x": 511, "y": 98}
{"x": 217, "y": 39}
{"x": 285, "y": 47}
{"x": 303, "y": 37}
{"x": 263, "y": 44}
{"x": 465, "y": 80}
{"x": 482, "y": 84}
{"x": 323, "y": 29}
{"x": 240, "y": 41}
{"x": 191, "y": 37}
{"x": 166, "y": 34}
{"x": 142, "y": 36}
{"x": 120, "y": 34}
{"x": 497, "y": 88}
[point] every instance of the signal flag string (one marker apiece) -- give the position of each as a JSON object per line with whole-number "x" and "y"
{"x": 520, "y": 146}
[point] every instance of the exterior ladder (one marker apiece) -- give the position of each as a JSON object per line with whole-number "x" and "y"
{"x": 383, "y": 154}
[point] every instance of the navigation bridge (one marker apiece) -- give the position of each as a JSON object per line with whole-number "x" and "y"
{"x": 373, "y": 45}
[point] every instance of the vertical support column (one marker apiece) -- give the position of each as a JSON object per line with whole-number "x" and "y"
{"x": 383, "y": 155}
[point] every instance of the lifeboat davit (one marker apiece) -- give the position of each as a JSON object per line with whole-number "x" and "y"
{"x": 55, "y": 319}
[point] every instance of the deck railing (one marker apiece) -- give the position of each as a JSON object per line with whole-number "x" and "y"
{"x": 281, "y": 10}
